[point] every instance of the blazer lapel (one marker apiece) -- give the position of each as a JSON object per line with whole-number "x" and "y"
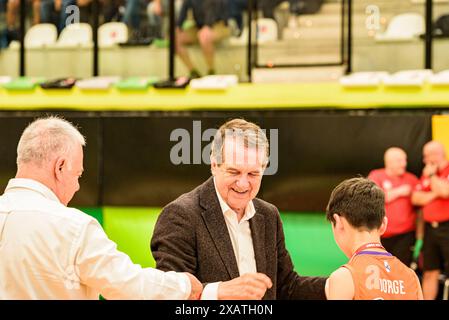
{"x": 257, "y": 224}
{"x": 213, "y": 217}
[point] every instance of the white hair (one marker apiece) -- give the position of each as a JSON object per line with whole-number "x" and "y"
{"x": 46, "y": 138}
{"x": 249, "y": 133}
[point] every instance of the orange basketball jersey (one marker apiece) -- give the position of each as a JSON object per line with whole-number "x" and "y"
{"x": 381, "y": 276}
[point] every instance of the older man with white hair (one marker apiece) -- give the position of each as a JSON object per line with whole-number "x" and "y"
{"x": 50, "y": 251}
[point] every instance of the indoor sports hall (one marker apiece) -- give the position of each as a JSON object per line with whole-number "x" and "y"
{"x": 332, "y": 83}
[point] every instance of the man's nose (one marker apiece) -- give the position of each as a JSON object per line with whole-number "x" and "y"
{"x": 242, "y": 181}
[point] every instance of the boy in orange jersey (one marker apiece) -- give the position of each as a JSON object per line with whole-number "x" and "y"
{"x": 356, "y": 210}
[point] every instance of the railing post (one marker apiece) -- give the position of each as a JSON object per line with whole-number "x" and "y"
{"x": 22, "y": 64}
{"x": 429, "y": 35}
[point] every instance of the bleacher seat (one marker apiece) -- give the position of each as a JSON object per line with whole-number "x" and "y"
{"x": 41, "y": 35}
{"x": 112, "y": 33}
{"x": 75, "y": 34}
{"x": 405, "y": 26}
{"x": 267, "y": 30}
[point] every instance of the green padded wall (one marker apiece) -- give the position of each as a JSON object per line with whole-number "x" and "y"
{"x": 311, "y": 244}
{"x": 97, "y": 213}
{"x": 132, "y": 229}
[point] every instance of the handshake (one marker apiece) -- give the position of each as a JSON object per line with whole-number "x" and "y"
{"x": 250, "y": 286}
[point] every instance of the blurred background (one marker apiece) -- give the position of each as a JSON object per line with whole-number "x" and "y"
{"x": 132, "y": 37}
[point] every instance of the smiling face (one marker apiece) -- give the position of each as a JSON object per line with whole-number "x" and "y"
{"x": 239, "y": 176}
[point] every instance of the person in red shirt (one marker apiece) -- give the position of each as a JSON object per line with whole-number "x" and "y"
{"x": 397, "y": 184}
{"x": 432, "y": 193}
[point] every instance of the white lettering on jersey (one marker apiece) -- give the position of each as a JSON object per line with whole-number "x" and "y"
{"x": 374, "y": 281}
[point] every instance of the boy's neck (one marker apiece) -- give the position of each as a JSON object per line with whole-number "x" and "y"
{"x": 361, "y": 238}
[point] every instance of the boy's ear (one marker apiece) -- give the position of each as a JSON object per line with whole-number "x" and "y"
{"x": 383, "y": 226}
{"x": 338, "y": 222}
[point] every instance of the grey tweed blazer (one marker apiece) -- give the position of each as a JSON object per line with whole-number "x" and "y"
{"x": 191, "y": 236}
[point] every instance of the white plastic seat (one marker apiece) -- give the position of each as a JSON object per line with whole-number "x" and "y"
{"x": 408, "y": 78}
{"x": 440, "y": 79}
{"x": 112, "y": 33}
{"x": 97, "y": 83}
{"x": 267, "y": 30}
{"x": 405, "y": 26}
{"x": 75, "y": 34}
{"x": 5, "y": 79}
{"x": 214, "y": 82}
{"x": 40, "y": 35}
{"x": 363, "y": 79}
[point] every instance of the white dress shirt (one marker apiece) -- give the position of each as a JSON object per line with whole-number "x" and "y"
{"x": 49, "y": 251}
{"x": 242, "y": 243}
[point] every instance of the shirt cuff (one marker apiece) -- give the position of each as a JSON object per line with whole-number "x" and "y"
{"x": 185, "y": 285}
{"x": 210, "y": 291}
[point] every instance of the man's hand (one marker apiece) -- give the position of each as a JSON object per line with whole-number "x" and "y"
{"x": 250, "y": 286}
{"x": 402, "y": 191}
{"x": 440, "y": 187}
{"x": 197, "y": 287}
{"x": 430, "y": 169}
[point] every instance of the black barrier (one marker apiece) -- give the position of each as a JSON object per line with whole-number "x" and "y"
{"x": 181, "y": 310}
{"x": 131, "y": 159}
{"x": 141, "y": 172}
{"x": 317, "y": 151}
{"x": 12, "y": 126}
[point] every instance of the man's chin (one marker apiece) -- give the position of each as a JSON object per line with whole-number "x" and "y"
{"x": 238, "y": 205}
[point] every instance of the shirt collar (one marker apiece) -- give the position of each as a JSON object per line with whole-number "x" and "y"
{"x": 33, "y": 185}
{"x": 250, "y": 211}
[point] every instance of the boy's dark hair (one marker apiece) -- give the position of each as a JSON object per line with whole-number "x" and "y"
{"x": 360, "y": 201}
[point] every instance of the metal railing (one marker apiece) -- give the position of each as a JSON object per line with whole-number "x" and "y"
{"x": 346, "y": 43}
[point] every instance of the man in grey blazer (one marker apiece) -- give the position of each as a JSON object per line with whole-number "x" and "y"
{"x": 230, "y": 240}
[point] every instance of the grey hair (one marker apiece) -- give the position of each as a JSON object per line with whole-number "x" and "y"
{"x": 250, "y": 133}
{"x": 46, "y": 138}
